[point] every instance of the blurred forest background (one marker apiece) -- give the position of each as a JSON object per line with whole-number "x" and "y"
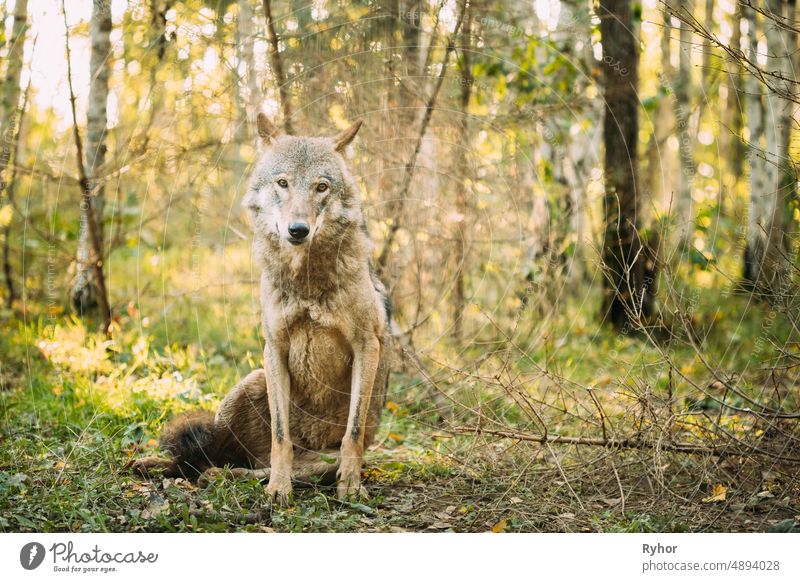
{"x": 585, "y": 211}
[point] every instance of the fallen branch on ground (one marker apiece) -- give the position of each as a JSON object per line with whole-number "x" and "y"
{"x": 625, "y": 443}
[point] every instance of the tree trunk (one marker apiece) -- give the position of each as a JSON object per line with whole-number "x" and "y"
{"x": 784, "y": 54}
{"x": 581, "y": 158}
{"x": 708, "y": 71}
{"x": 409, "y": 69}
{"x": 623, "y": 259}
{"x": 753, "y": 254}
{"x": 277, "y": 68}
{"x": 158, "y": 23}
{"x": 462, "y": 176}
{"x": 659, "y": 165}
{"x": 84, "y": 292}
{"x": 731, "y": 143}
{"x": 579, "y": 151}
{"x": 158, "y": 20}
{"x": 9, "y": 128}
{"x": 682, "y": 205}
{"x": 767, "y": 241}
{"x": 246, "y": 32}
{"x": 11, "y": 88}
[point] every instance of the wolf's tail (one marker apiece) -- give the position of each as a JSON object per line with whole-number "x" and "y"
{"x": 191, "y": 440}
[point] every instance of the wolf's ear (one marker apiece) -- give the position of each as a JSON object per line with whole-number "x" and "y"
{"x": 266, "y": 131}
{"x": 342, "y": 140}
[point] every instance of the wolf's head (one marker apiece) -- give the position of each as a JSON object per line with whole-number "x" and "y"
{"x": 301, "y": 189}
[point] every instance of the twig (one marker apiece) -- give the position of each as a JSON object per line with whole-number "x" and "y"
{"x": 564, "y": 476}
{"x": 766, "y": 77}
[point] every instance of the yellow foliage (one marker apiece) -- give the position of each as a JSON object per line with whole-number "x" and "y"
{"x": 6, "y": 212}
{"x": 73, "y": 349}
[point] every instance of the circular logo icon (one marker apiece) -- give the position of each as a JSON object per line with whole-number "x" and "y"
{"x": 31, "y": 555}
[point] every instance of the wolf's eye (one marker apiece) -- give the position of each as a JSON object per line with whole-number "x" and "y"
{"x": 321, "y": 187}
{"x": 283, "y": 183}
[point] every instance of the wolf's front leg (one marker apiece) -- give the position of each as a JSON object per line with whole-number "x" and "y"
{"x": 279, "y": 487}
{"x": 366, "y": 356}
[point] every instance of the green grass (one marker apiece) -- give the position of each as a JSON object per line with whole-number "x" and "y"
{"x": 75, "y": 409}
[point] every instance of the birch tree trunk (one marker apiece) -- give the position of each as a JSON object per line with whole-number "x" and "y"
{"x": 757, "y": 179}
{"x": 11, "y": 89}
{"x": 623, "y": 259}
{"x": 754, "y": 251}
{"x": 731, "y": 142}
{"x": 246, "y": 31}
{"x": 462, "y": 176}
{"x": 659, "y": 165}
{"x": 158, "y": 22}
{"x": 582, "y": 155}
{"x": 767, "y": 241}
{"x": 581, "y": 150}
{"x": 682, "y": 205}
{"x": 708, "y": 71}
{"x": 9, "y": 128}
{"x": 784, "y": 55}
{"x": 84, "y": 290}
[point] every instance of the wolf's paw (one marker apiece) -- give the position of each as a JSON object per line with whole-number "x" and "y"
{"x": 349, "y": 485}
{"x": 279, "y": 491}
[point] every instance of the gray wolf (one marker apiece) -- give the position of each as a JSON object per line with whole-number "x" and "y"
{"x": 315, "y": 406}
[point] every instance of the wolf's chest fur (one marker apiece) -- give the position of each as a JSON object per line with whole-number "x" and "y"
{"x": 320, "y": 370}
{"x": 320, "y": 362}
{"x": 320, "y": 365}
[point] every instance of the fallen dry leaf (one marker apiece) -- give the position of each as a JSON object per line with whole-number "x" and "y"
{"x": 500, "y": 526}
{"x": 441, "y": 516}
{"x": 718, "y": 493}
{"x": 156, "y": 506}
{"x": 142, "y": 486}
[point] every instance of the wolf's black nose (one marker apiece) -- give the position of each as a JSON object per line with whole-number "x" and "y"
{"x": 298, "y": 230}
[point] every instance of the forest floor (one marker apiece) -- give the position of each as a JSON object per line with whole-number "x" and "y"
{"x": 75, "y": 409}
{"x": 69, "y": 428}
